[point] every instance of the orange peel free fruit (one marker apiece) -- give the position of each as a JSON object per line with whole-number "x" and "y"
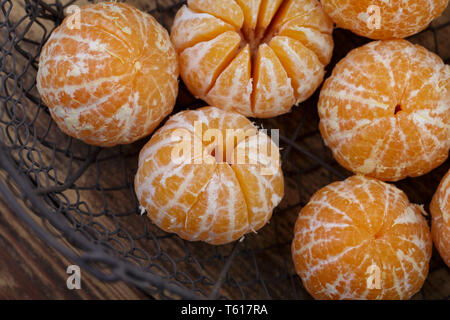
{"x": 440, "y": 212}
{"x": 361, "y": 239}
{"x": 382, "y": 20}
{"x": 255, "y": 57}
{"x": 385, "y": 110}
{"x": 226, "y": 188}
{"x": 108, "y": 74}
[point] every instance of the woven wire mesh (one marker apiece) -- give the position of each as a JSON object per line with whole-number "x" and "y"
{"x": 81, "y": 199}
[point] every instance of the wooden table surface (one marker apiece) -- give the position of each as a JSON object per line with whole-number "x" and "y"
{"x": 31, "y": 269}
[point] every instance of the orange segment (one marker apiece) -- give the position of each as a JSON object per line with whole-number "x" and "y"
{"x": 422, "y": 138}
{"x": 124, "y": 22}
{"x": 301, "y": 64}
{"x": 233, "y": 88}
{"x": 440, "y": 211}
{"x": 167, "y": 188}
{"x": 320, "y": 43}
{"x": 232, "y": 126}
{"x": 227, "y": 11}
{"x": 309, "y": 15}
{"x": 416, "y": 257}
{"x": 273, "y": 90}
{"x": 311, "y": 12}
{"x": 250, "y": 8}
{"x": 378, "y": 101}
{"x": 267, "y": 12}
{"x": 220, "y": 214}
{"x": 202, "y": 63}
{"x": 191, "y": 28}
{"x": 260, "y": 177}
{"x": 431, "y": 84}
{"x": 209, "y": 118}
{"x": 380, "y": 251}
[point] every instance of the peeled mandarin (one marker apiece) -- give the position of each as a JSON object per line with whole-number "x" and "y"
{"x": 255, "y": 57}
{"x": 209, "y": 175}
{"x": 385, "y": 110}
{"x": 361, "y": 239}
{"x": 383, "y": 20}
{"x": 440, "y": 212}
{"x": 108, "y": 75}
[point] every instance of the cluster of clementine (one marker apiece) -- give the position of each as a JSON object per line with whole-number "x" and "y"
{"x": 385, "y": 114}
{"x": 210, "y": 175}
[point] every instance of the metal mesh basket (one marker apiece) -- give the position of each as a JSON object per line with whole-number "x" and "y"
{"x": 81, "y": 200}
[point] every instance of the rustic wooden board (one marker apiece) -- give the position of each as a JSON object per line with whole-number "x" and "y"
{"x": 30, "y": 269}
{"x": 262, "y": 267}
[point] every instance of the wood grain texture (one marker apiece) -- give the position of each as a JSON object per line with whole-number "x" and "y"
{"x": 30, "y": 269}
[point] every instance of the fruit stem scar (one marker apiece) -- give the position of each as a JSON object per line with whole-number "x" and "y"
{"x": 398, "y": 108}
{"x": 137, "y": 65}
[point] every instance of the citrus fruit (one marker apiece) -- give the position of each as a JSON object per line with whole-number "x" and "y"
{"x": 385, "y": 110}
{"x": 380, "y": 19}
{"x": 108, "y": 74}
{"x": 361, "y": 239}
{"x": 258, "y": 57}
{"x": 209, "y": 175}
{"x": 440, "y": 212}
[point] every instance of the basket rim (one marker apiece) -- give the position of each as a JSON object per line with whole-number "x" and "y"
{"x": 124, "y": 270}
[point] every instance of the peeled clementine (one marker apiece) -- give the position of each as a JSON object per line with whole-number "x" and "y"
{"x": 209, "y": 175}
{"x": 385, "y": 110}
{"x": 377, "y": 19}
{"x": 108, "y": 74}
{"x": 440, "y": 211}
{"x": 361, "y": 239}
{"x": 258, "y": 57}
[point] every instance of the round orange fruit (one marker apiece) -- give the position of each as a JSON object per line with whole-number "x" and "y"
{"x": 209, "y": 175}
{"x": 257, "y": 57}
{"x": 385, "y": 110}
{"x": 361, "y": 239}
{"x": 440, "y": 212}
{"x": 382, "y": 20}
{"x": 108, "y": 74}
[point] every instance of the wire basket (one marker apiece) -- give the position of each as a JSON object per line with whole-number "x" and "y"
{"x": 81, "y": 199}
